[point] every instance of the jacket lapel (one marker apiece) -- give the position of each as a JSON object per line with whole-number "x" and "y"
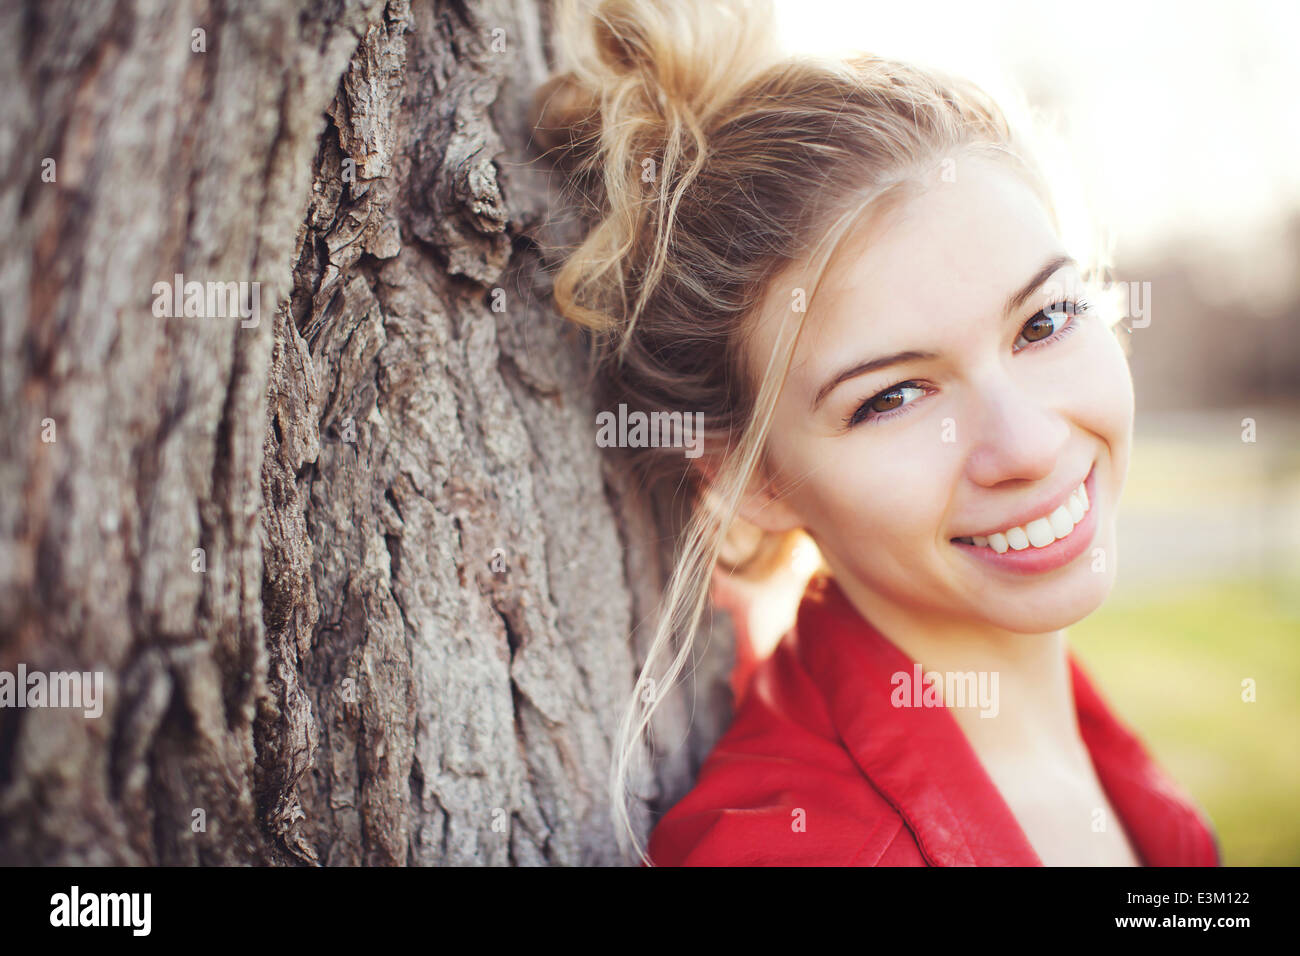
{"x": 920, "y": 761}
{"x": 916, "y": 757}
{"x": 1165, "y": 827}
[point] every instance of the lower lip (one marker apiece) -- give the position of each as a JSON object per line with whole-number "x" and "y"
{"x": 1059, "y": 553}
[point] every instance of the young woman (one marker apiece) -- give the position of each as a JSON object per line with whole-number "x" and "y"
{"x": 855, "y": 271}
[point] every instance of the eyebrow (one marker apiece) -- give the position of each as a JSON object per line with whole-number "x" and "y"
{"x": 913, "y": 355}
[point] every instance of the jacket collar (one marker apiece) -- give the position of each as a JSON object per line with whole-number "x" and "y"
{"x": 919, "y": 759}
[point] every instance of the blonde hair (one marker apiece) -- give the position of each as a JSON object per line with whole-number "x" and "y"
{"x": 705, "y": 162}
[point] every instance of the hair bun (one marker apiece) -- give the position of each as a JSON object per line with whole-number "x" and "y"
{"x": 634, "y": 72}
{"x": 566, "y": 118}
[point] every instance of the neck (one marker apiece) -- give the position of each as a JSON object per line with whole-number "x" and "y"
{"x": 1035, "y": 712}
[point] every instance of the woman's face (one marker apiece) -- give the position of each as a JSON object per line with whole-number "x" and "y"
{"x": 986, "y": 404}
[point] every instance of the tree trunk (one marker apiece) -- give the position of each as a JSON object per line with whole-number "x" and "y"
{"x": 359, "y": 584}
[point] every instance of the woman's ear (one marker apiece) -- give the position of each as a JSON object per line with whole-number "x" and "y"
{"x": 760, "y": 505}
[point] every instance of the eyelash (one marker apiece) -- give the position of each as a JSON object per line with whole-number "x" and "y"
{"x": 1071, "y": 307}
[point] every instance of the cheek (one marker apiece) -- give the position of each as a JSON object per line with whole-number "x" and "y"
{"x": 873, "y": 497}
{"x": 1102, "y": 391}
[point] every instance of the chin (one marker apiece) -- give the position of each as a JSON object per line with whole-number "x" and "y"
{"x": 1054, "y": 618}
{"x": 1057, "y": 604}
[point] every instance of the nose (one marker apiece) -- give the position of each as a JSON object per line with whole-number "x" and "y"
{"x": 1018, "y": 435}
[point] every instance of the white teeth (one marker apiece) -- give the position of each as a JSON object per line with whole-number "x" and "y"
{"x": 1040, "y": 532}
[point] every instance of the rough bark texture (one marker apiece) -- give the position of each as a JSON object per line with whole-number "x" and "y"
{"x": 410, "y": 632}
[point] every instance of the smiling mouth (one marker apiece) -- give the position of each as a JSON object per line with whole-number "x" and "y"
{"x": 1041, "y": 532}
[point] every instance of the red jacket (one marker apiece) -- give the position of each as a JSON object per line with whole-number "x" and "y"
{"x": 888, "y": 786}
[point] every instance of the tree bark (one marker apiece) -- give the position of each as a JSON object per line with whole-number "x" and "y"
{"x": 360, "y": 585}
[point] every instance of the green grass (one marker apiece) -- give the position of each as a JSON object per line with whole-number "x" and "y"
{"x": 1171, "y": 663}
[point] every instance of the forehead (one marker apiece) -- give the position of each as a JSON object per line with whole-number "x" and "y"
{"x": 942, "y": 259}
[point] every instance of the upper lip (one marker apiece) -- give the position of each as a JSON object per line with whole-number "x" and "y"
{"x": 1044, "y": 507}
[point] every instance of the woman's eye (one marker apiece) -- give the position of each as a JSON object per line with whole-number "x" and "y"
{"x": 1057, "y": 320}
{"x": 881, "y": 405}
{"x": 1049, "y": 322}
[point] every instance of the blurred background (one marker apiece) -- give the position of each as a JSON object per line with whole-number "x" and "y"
{"x": 1177, "y": 131}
